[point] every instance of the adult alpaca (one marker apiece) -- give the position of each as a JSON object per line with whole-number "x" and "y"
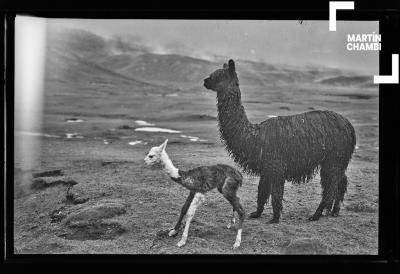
{"x": 291, "y": 148}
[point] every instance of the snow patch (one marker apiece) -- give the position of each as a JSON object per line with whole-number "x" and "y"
{"x": 193, "y": 138}
{"x": 157, "y": 129}
{"x": 143, "y": 123}
{"x": 136, "y": 142}
{"x": 74, "y": 120}
{"x": 73, "y": 135}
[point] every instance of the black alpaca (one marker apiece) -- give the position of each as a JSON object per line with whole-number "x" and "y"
{"x": 291, "y": 148}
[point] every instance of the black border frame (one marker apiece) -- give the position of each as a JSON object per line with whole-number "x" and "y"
{"x": 389, "y": 160}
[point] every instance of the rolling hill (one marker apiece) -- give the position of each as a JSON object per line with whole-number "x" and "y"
{"x": 77, "y": 55}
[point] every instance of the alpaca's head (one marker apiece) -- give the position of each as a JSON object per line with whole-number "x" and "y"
{"x": 221, "y": 79}
{"x": 153, "y": 158}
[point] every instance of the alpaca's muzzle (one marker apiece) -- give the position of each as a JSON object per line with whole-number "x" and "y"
{"x": 207, "y": 83}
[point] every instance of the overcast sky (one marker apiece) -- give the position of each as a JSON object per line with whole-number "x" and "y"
{"x": 286, "y": 42}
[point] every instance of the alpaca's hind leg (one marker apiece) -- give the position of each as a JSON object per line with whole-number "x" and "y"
{"x": 184, "y": 209}
{"x": 328, "y": 207}
{"x": 235, "y": 202}
{"x": 197, "y": 201}
{"x": 278, "y": 185}
{"x": 342, "y": 188}
{"x": 330, "y": 176}
{"x": 264, "y": 191}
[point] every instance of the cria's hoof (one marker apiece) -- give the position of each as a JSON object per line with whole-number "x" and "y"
{"x": 255, "y": 214}
{"x": 180, "y": 243}
{"x": 172, "y": 233}
{"x": 273, "y": 221}
{"x": 314, "y": 218}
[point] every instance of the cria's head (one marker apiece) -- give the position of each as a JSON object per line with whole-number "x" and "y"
{"x": 221, "y": 79}
{"x": 154, "y": 155}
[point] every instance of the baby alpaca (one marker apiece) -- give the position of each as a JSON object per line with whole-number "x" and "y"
{"x": 199, "y": 181}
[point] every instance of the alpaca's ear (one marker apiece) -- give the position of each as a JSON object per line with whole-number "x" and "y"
{"x": 225, "y": 66}
{"x": 231, "y": 65}
{"x": 164, "y": 145}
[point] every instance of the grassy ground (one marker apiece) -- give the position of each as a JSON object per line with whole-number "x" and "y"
{"x": 151, "y": 202}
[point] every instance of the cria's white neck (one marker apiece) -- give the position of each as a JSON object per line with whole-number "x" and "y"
{"x": 169, "y": 167}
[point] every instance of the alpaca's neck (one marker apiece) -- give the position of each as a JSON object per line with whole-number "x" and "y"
{"x": 232, "y": 118}
{"x": 173, "y": 173}
{"x": 168, "y": 166}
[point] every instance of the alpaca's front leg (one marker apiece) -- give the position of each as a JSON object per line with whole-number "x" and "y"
{"x": 197, "y": 201}
{"x": 263, "y": 194}
{"x": 184, "y": 209}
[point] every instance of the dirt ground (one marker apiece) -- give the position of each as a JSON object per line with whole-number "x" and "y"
{"x": 121, "y": 206}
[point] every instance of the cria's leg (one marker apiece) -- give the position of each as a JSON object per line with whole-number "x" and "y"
{"x": 263, "y": 194}
{"x": 238, "y": 207}
{"x": 232, "y": 220}
{"x": 197, "y": 201}
{"x": 184, "y": 209}
{"x": 229, "y": 191}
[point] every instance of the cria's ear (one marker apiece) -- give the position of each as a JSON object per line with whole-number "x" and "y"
{"x": 225, "y": 66}
{"x": 231, "y": 65}
{"x": 164, "y": 145}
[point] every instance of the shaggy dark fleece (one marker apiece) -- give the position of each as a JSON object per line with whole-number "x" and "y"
{"x": 205, "y": 178}
{"x": 291, "y": 148}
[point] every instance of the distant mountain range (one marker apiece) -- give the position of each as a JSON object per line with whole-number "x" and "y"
{"x": 78, "y": 55}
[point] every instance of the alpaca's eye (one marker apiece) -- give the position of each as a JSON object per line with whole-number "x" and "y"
{"x": 151, "y": 156}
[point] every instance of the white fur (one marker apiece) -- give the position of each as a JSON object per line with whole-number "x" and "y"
{"x": 197, "y": 201}
{"x": 158, "y": 154}
{"x": 169, "y": 166}
{"x": 238, "y": 239}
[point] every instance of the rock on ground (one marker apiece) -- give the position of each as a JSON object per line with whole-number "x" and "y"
{"x": 48, "y": 173}
{"x": 101, "y": 210}
{"x": 87, "y": 222}
{"x": 45, "y": 182}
